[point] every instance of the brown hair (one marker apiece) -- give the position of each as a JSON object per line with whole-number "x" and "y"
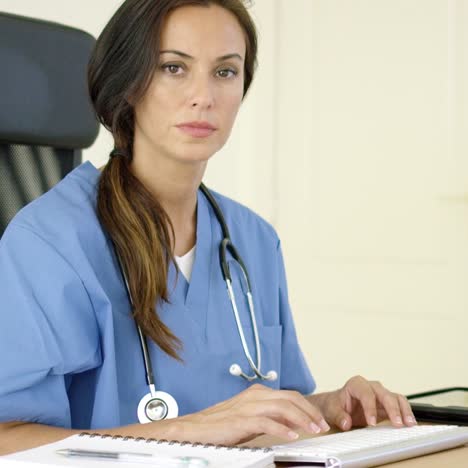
{"x": 120, "y": 70}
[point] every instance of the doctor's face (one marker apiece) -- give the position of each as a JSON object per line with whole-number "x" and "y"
{"x": 190, "y": 106}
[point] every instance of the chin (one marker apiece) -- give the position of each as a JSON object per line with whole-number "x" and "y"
{"x": 197, "y": 152}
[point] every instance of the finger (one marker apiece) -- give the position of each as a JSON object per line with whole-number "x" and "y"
{"x": 257, "y": 425}
{"x": 363, "y": 391}
{"x": 230, "y": 431}
{"x": 261, "y": 392}
{"x": 390, "y": 403}
{"x": 288, "y": 413}
{"x": 381, "y": 414}
{"x": 340, "y": 418}
{"x": 306, "y": 406}
{"x": 261, "y": 400}
{"x": 406, "y": 411}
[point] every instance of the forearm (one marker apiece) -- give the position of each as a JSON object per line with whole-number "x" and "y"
{"x": 18, "y": 436}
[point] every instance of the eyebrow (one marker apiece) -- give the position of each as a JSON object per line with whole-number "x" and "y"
{"x": 187, "y": 56}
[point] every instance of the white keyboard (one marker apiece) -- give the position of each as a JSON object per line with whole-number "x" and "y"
{"x": 372, "y": 446}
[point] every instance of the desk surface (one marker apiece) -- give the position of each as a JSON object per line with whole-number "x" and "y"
{"x": 455, "y": 458}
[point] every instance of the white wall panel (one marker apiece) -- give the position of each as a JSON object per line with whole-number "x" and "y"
{"x": 371, "y": 246}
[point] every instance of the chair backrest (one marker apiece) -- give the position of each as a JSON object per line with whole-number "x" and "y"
{"x": 45, "y": 115}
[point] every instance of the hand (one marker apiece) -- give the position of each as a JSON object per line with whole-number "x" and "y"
{"x": 361, "y": 402}
{"x": 253, "y": 412}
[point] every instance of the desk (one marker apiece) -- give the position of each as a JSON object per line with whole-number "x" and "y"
{"x": 455, "y": 458}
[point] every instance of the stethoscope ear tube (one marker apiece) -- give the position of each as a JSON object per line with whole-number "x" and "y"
{"x": 223, "y": 260}
{"x": 236, "y": 370}
{"x": 228, "y": 246}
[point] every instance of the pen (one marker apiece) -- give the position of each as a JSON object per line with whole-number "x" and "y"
{"x": 135, "y": 457}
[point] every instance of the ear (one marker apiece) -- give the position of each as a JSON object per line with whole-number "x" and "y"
{"x": 130, "y": 100}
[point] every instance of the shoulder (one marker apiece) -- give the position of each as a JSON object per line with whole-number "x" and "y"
{"x": 240, "y": 217}
{"x": 66, "y": 210}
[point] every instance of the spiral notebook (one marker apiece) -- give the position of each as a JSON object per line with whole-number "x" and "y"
{"x": 97, "y": 451}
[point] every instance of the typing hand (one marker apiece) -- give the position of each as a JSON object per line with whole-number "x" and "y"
{"x": 255, "y": 411}
{"x": 361, "y": 402}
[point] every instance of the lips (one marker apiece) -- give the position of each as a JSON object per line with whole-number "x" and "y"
{"x": 197, "y": 129}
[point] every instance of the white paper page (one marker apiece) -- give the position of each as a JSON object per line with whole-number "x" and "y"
{"x": 165, "y": 455}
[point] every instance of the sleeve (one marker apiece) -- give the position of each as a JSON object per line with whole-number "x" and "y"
{"x": 47, "y": 329}
{"x": 295, "y": 373}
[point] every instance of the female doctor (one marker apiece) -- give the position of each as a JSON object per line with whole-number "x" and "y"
{"x": 124, "y": 291}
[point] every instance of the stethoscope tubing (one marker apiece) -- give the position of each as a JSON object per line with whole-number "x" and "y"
{"x": 143, "y": 344}
{"x": 240, "y": 329}
{"x": 225, "y": 247}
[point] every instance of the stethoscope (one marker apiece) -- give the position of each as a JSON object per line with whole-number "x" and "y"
{"x": 158, "y": 405}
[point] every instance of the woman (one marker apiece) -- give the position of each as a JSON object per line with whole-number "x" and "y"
{"x": 167, "y": 79}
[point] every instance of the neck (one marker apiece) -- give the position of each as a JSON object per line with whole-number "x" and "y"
{"x": 175, "y": 186}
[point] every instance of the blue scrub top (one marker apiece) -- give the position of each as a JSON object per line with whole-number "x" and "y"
{"x": 69, "y": 346}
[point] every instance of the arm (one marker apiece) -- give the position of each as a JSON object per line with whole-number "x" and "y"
{"x": 16, "y": 436}
{"x": 256, "y": 411}
{"x": 253, "y": 412}
{"x": 35, "y": 340}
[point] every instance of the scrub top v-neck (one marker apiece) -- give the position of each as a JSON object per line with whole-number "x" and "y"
{"x": 185, "y": 263}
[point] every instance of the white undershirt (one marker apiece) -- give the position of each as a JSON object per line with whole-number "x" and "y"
{"x": 185, "y": 263}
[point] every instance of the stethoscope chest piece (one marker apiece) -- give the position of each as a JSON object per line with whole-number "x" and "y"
{"x": 157, "y": 406}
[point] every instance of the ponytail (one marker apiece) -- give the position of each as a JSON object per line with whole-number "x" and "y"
{"x": 141, "y": 232}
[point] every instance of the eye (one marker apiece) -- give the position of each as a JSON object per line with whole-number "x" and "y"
{"x": 172, "y": 68}
{"x": 226, "y": 73}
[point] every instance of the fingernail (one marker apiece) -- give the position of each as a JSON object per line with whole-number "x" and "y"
{"x": 324, "y": 425}
{"x": 344, "y": 423}
{"x": 372, "y": 421}
{"x": 410, "y": 420}
{"x": 314, "y": 427}
{"x": 398, "y": 420}
{"x": 293, "y": 435}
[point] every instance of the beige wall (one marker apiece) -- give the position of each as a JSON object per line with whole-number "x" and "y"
{"x": 353, "y": 143}
{"x": 376, "y": 246}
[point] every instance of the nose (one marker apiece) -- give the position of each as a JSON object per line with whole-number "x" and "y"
{"x": 202, "y": 93}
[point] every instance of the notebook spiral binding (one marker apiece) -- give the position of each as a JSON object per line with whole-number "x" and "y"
{"x": 93, "y": 435}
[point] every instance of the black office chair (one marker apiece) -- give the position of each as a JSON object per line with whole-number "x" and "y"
{"x": 45, "y": 115}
